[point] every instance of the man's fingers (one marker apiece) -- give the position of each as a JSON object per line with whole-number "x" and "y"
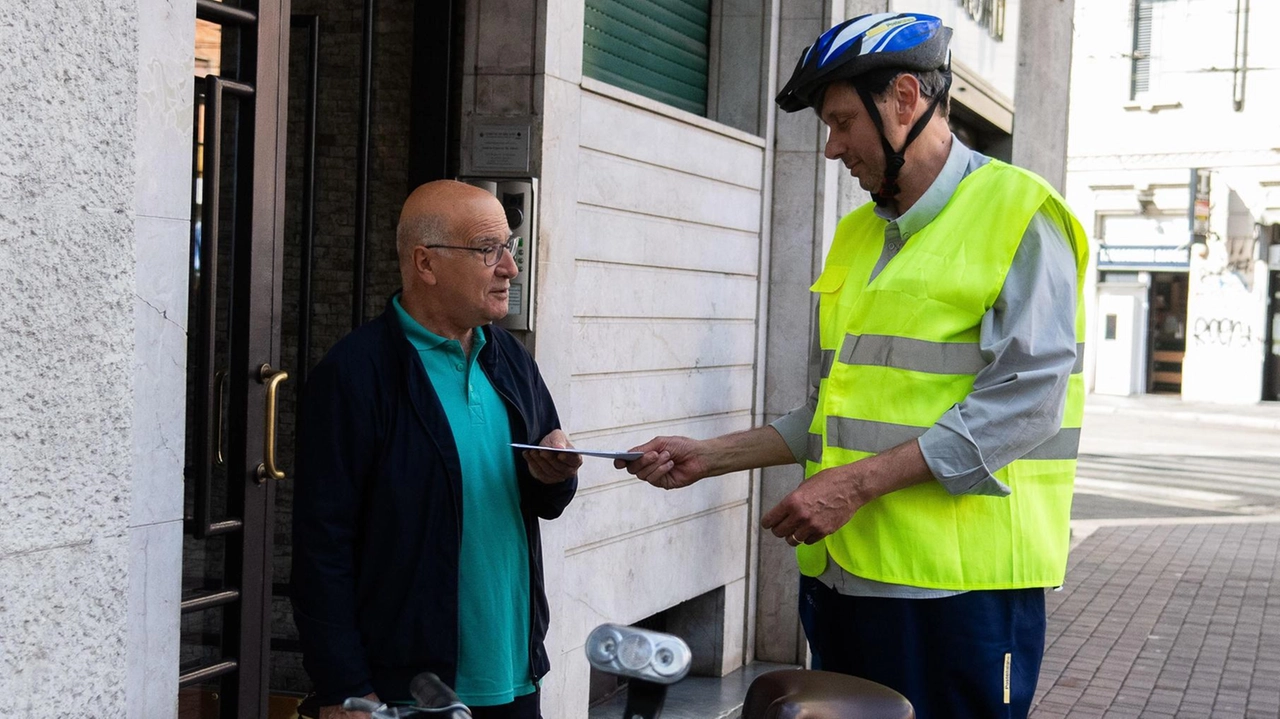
{"x": 781, "y": 521}
{"x": 661, "y": 466}
{"x": 644, "y": 465}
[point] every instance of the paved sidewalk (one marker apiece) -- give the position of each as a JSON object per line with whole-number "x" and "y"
{"x": 1164, "y": 407}
{"x": 1167, "y": 620}
{"x": 1162, "y": 615}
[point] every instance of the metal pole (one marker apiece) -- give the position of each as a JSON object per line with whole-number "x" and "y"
{"x": 362, "y": 171}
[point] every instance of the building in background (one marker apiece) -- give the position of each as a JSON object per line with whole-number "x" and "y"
{"x": 197, "y": 197}
{"x": 1175, "y": 158}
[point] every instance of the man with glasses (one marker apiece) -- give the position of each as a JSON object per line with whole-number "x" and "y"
{"x": 416, "y": 544}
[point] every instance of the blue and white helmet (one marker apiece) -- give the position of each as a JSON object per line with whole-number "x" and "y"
{"x": 880, "y": 41}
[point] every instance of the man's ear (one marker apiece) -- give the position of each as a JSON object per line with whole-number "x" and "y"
{"x": 424, "y": 266}
{"x": 906, "y": 95}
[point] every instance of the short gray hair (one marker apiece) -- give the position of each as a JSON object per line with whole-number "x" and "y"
{"x": 932, "y": 84}
{"x": 421, "y": 229}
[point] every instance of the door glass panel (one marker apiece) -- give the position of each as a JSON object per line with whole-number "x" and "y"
{"x": 212, "y": 539}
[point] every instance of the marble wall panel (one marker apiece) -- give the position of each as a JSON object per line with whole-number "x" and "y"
{"x": 740, "y": 67}
{"x": 504, "y": 95}
{"x": 611, "y": 181}
{"x": 506, "y": 35}
{"x": 159, "y": 418}
{"x": 603, "y": 346}
{"x": 733, "y": 630}
{"x": 609, "y": 290}
{"x": 666, "y": 142}
{"x": 166, "y": 36}
{"x": 155, "y": 578}
{"x": 653, "y": 397}
{"x": 596, "y": 517}
{"x": 630, "y": 238}
{"x": 641, "y": 574}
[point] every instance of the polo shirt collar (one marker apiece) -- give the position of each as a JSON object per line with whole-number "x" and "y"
{"x": 424, "y": 339}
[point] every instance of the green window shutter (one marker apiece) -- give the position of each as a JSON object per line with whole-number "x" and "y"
{"x": 657, "y": 48}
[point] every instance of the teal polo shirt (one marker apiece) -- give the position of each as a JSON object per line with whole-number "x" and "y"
{"x": 493, "y": 566}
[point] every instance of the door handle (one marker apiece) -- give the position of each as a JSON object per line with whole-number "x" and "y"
{"x": 272, "y": 379}
{"x": 220, "y": 381}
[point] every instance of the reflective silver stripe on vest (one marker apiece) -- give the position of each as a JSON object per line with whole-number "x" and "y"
{"x": 1063, "y": 445}
{"x": 863, "y": 435}
{"x": 1078, "y": 367}
{"x": 828, "y": 359}
{"x": 912, "y": 354}
{"x": 813, "y": 452}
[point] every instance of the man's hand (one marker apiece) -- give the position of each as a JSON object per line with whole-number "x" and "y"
{"x": 818, "y": 507}
{"x": 335, "y": 711}
{"x": 826, "y": 501}
{"x": 552, "y": 467}
{"x": 669, "y": 462}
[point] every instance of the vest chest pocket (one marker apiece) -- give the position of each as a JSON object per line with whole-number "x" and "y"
{"x": 832, "y": 310}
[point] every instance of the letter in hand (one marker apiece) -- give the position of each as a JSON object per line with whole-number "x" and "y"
{"x": 668, "y": 462}
{"x": 551, "y": 467}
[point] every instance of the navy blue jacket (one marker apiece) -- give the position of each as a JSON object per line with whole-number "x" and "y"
{"x": 378, "y": 512}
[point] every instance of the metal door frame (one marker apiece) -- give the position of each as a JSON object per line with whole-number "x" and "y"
{"x": 261, "y": 89}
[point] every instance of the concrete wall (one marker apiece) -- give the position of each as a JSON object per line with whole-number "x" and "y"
{"x": 1226, "y": 309}
{"x": 93, "y": 242}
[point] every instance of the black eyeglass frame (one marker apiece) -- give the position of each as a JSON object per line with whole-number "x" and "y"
{"x": 491, "y": 251}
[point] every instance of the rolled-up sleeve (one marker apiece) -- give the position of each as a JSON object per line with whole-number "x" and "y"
{"x": 794, "y": 425}
{"x": 1028, "y": 338}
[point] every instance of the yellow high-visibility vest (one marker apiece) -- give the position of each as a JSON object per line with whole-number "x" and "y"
{"x": 900, "y": 351}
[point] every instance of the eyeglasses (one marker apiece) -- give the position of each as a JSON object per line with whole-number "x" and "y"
{"x": 491, "y": 254}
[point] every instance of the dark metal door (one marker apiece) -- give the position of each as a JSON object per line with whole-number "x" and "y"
{"x": 233, "y": 365}
{"x": 1271, "y": 365}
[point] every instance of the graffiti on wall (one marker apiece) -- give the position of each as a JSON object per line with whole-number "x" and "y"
{"x": 1241, "y": 252}
{"x": 1222, "y": 332}
{"x": 1223, "y": 286}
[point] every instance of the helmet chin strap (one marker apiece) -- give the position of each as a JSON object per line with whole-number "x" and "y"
{"x": 894, "y": 159}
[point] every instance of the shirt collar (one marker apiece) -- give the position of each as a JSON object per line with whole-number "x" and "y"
{"x": 424, "y": 339}
{"x": 936, "y": 197}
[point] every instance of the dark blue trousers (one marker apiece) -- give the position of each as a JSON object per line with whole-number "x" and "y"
{"x": 975, "y": 654}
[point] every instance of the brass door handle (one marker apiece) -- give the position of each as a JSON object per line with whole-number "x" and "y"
{"x": 219, "y": 381}
{"x": 272, "y": 379}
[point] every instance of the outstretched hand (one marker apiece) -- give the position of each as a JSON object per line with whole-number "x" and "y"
{"x": 668, "y": 462}
{"x": 551, "y": 467}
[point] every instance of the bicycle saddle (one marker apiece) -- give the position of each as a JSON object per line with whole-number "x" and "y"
{"x": 805, "y": 694}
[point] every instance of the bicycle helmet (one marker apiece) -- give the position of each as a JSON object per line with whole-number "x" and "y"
{"x": 905, "y": 42}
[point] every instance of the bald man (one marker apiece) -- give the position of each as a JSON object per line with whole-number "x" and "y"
{"x": 415, "y": 537}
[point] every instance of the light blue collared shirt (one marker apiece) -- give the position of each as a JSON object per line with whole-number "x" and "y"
{"x": 1028, "y": 339}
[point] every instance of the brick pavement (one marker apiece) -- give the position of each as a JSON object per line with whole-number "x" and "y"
{"x": 1166, "y": 620}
